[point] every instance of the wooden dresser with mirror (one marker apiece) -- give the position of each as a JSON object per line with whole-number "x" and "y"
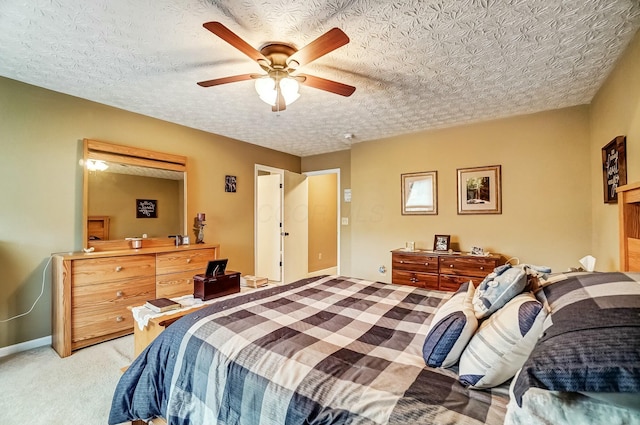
{"x": 92, "y": 291}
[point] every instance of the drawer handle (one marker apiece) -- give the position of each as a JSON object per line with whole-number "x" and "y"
{"x": 426, "y": 264}
{"x": 119, "y": 319}
{"x": 414, "y": 279}
{"x": 119, "y": 294}
{"x": 481, "y": 267}
{"x": 189, "y": 280}
{"x": 118, "y": 268}
{"x": 401, "y": 261}
{"x": 188, "y": 260}
{"x": 451, "y": 265}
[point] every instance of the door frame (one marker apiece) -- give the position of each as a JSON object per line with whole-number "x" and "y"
{"x": 338, "y": 215}
{"x": 270, "y": 170}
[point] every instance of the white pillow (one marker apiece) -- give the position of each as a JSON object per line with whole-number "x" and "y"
{"x": 502, "y": 343}
{"x": 451, "y": 329}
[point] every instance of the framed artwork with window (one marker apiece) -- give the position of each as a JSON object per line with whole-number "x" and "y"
{"x": 419, "y": 193}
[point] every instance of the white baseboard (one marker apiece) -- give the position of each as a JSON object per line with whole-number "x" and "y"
{"x": 24, "y": 346}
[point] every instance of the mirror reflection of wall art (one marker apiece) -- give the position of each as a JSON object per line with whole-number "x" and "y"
{"x": 146, "y": 208}
{"x": 419, "y": 193}
{"x": 230, "y": 183}
{"x": 480, "y": 190}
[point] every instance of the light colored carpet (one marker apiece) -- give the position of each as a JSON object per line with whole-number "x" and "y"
{"x": 38, "y": 387}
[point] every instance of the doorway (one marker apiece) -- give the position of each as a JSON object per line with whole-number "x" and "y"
{"x": 286, "y": 214}
{"x": 281, "y": 224}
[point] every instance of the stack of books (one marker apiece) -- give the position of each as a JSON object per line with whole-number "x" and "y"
{"x": 254, "y": 281}
{"x": 160, "y": 305}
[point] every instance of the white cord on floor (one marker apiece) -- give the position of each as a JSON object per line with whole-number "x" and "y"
{"x": 37, "y": 299}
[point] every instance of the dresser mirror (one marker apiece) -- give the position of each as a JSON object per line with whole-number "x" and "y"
{"x": 132, "y": 193}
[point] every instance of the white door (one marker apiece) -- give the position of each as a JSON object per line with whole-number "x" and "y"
{"x": 295, "y": 227}
{"x": 268, "y": 218}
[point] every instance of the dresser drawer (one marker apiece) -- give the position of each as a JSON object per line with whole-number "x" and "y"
{"x": 101, "y": 309}
{"x": 417, "y": 263}
{"x": 175, "y": 284}
{"x": 421, "y": 280}
{"x": 467, "y": 266}
{"x": 99, "y": 270}
{"x": 452, "y": 282}
{"x": 195, "y": 259}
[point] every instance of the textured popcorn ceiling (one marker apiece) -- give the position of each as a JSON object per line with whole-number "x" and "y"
{"x": 417, "y": 65}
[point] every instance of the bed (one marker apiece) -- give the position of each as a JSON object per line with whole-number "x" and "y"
{"x": 327, "y": 350}
{"x": 338, "y": 350}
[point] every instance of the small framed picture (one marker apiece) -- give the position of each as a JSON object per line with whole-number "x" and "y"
{"x": 476, "y": 250}
{"x": 480, "y": 190}
{"x": 441, "y": 242}
{"x": 146, "y": 208}
{"x": 419, "y": 193}
{"x": 230, "y": 183}
{"x": 614, "y": 168}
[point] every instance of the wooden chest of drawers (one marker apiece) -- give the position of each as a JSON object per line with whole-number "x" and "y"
{"x": 92, "y": 292}
{"x": 443, "y": 271}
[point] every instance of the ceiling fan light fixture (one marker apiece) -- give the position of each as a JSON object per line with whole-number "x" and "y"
{"x": 289, "y": 88}
{"x": 96, "y": 165}
{"x": 266, "y": 89}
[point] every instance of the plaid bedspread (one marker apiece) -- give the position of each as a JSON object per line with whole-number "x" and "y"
{"x": 329, "y": 350}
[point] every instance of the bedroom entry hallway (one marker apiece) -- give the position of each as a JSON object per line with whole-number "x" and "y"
{"x": 291, "y": 210}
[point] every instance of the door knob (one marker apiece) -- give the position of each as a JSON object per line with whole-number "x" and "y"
{"x": 284, "y": 234}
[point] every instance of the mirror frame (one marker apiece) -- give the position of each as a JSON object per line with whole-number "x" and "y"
{"x": 97, "y": 150}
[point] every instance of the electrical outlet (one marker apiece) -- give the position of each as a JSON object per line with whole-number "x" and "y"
{"x": 382, "y": 269}
{"x": 345, "y": 221}
{"x": 319, "y": 256}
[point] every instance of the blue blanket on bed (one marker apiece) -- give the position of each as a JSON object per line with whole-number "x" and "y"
{"x": 327, "y": 350}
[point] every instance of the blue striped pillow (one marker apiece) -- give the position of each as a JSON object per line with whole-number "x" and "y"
{"x": 451, "y": 329}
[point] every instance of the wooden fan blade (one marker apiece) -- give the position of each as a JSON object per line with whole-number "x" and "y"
{"x": 322, "y": 45}
{"x": 230, "y": 37}
{"x": 328, "y": 85}
{"x": 225, "y": 80}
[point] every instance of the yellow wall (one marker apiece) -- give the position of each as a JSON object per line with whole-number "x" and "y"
{"x": 546, "y": 215}
{"x": 323, "y": 240}
{"x": 41, "y": 136}
{"x": 615, "y": 111}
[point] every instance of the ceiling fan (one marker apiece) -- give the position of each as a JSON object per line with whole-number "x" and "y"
{"x": 279, "y": 87}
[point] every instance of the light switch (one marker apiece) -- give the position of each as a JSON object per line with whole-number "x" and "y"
{"x": 345, "y": 221}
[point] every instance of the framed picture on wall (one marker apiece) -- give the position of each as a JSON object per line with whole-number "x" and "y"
{"x": 419, "y": 193}
{"x": 614, "y": 168}
{"x": 480, "y": 190}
